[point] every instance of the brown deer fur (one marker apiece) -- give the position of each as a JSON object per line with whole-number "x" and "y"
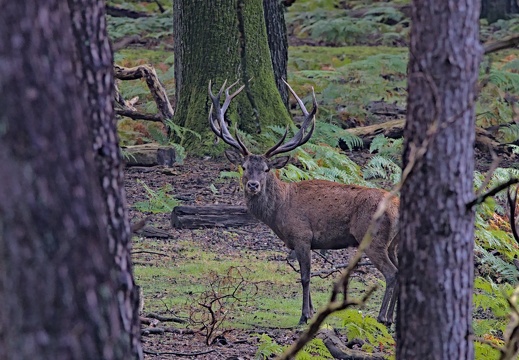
{"x": 313, "y": 214}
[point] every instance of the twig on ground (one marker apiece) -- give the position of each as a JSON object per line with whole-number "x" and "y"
{"x": 148, "y": 252}
{"x": 178, "y": 353}
{"x": 166, "y": 318}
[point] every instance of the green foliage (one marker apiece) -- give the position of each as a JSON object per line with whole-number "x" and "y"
{"x": 495, "y": 246}
{"x": 380, "y": 167}
{"x": 484, "y": 351}
{"x": 387, "y": 147}
{"x": 510, "y": 133}
{"x": 326, "y": 163}
{"x": 320, "y": 160}
{"x": 385, "y": 14}
{"x": 367, "y": 328}
{"x": 498, "y": 30}
{"x": 493, "y": 108}
{"x": 491, "y": 310}
{"x": 159, "y": 201}
{"x": 337, "y": 28}
{"x": 330, "y": 134}
{"x": 155, "y": 26}
{"x": 267, "y": 348}
{"x": 314, "y": 349}
{"x": 491, "y": 296}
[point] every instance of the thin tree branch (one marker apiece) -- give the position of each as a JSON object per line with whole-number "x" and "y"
{"x": 178, "y": 353}
{"x": 479, "y": 199}
{"x": 135, "y": 115}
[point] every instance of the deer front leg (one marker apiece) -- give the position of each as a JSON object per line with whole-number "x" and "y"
{"x": 304, "y": 257}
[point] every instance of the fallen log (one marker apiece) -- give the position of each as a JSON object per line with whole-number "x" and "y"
{"x": 394, "y": 129}
{"x": 196, "y": 217}
{"x": 149, "y": 155}
{"x": 339, "y": 350}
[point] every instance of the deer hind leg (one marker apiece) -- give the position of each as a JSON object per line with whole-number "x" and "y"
{"x": 304, "y": 257}
{"x": 393, "y": 255}
{"x": 379, "y": 256}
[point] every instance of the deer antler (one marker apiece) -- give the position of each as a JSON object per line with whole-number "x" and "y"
{"x": 217, "y": 122}
{"x": 300, "y": 137}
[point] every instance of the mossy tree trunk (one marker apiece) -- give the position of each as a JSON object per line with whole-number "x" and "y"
{"x": 217, "y": 41}
{"x": 436, "y": 265}
{"x": 95, "y": 74}
{"x": 58, "y": 279}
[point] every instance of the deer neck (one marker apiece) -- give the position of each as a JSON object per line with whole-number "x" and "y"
{"x": 266, "y": 204}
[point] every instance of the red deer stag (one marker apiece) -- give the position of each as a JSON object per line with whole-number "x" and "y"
{"x": 313, "y": 214}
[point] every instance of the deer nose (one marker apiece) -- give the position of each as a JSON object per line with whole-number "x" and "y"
{"x": 253, "y": 186}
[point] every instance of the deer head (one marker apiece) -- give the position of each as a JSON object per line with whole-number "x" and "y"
{"x": 256, "y": 167}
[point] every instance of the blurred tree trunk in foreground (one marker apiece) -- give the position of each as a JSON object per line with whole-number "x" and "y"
{"x": 58, "y": 279}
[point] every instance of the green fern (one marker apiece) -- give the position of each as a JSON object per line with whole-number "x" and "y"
{"x": 384, "y": 14}
{"x": 159, "y": 201}
{"x": 484, "y": 351}
{"x": 314, "y": 349}
{"x": 230, "y": 174}
{"x": 330, "y": 134}
{"x": 379, "y": 167}
{"x": 491, "y": 296}
{"x": 502, "y": 269}
{"x": 367, "y": 328}
{"x": 510, "y": 133}
{"x": 267, "y": 348}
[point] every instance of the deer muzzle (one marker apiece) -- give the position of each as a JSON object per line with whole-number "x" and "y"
{"x": 253, "y": 187}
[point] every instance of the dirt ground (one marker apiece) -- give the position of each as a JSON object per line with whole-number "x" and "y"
{"x": 191, "y": 181}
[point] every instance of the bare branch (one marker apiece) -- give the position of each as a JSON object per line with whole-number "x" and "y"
{"x": 478, "y": 200}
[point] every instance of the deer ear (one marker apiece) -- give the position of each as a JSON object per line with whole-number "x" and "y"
{"x": 234, "y": 157}
{"x": 279, "y": 162}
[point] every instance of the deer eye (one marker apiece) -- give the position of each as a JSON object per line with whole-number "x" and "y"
{"x": 267, "y": 169}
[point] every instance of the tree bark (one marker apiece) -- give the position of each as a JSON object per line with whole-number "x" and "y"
{"x": 493, "y": 10}
{"x": 278, "y": 43}
{"x": 217, "y": 41}
{"x": 58, "y": 280}
{"x": 436, "y": 250}
{"x": 95, "y": 73}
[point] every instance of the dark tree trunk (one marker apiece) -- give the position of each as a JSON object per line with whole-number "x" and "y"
{"x": 217, "y": 41}
{"x": 436, "y": 250}
{"x": 278, "y": 43}
{"x": 58, "y": 280}
{"x": 493, "y": 10}
{"x": 95, "y": 73}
